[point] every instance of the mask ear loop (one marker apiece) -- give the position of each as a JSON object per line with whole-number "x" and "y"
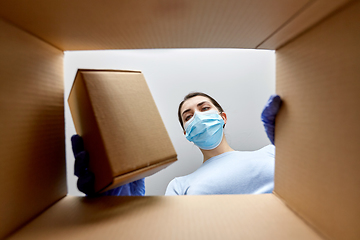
{"x": 221, "y": 117}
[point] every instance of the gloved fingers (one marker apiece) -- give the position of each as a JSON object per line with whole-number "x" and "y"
{"x": 271, "y": 109}
{"x": 81, "y": 163}
{"x": 86, "y": 183}
{"x": 77, "y": 144}
{"x": 137, "y": 187}
{"x": 270, "y": 132}
{"x": 123, "y": 190}
{"x": 140, "y": 182}
{"x": 86, "y": 178}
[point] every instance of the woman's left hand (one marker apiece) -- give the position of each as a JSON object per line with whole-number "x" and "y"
{"x": 268, "y": 116}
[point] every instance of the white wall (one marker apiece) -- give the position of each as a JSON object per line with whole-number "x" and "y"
{"x": 240, "y": 80}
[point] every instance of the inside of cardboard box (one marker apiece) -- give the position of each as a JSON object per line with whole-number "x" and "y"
{"x": 27, "y": 42}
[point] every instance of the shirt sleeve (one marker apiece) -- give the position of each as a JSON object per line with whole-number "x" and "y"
{"x": 172, "y": 187}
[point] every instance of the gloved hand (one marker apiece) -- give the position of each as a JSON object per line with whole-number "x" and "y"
{"x": 86, "y": 178}
{"x": 269, "y": 114}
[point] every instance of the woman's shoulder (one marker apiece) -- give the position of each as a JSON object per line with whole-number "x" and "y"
{"x": 268, "y": 150}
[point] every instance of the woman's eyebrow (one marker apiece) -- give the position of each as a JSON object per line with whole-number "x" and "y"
{"x": 187, "y": 110}
{"x": 198, "y": 105}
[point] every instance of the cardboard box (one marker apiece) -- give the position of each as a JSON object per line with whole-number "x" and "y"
{"x": 122, "y": 129}
{"x": 317, "y": 178}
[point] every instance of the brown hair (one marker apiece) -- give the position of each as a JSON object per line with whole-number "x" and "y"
{"x": 194, "y": 94}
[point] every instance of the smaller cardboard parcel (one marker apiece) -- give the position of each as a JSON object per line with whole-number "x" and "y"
{"x": 121, "y": 126}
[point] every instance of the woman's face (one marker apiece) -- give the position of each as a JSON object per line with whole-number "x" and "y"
{"x": 199, "y": 104}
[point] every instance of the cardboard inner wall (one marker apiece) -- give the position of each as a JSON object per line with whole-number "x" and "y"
{"x": 32, "y": 148}
{"x": 318, "y": 131}
{"x": 255, "y": 217}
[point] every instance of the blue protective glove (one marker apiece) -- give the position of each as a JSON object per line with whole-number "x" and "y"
{"x": 269, "y": 114}
{"x": 86, "y": 178}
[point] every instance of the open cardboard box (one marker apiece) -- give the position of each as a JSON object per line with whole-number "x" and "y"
{"x": 317, "y": 178}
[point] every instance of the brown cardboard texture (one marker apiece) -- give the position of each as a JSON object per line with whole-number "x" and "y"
{"x": 32, "y": 157}
{"x": 122, "y": 129}
{"x": 317, "y": 178}
{"x": 254, "y": 217}
{"x": 86, "y": 25}
{"x": 317, "y": 138}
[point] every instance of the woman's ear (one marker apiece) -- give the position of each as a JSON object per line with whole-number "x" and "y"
{"x": 223, "y": 115}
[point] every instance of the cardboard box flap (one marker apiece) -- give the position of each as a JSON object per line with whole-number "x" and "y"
{"x": 87, "y": 25}
{"x": 317, "y": 130}
{"x": 176, "y": 217}
{"x": 306, "y": 17}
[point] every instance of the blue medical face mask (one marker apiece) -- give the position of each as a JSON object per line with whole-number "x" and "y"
{"x": 205, "y": 129}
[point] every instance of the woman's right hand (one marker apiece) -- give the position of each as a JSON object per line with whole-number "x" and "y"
{"x": 86, "y": 178}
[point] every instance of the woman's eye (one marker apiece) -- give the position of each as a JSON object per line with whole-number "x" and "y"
{"x": 187, "y": 118}
{"x": 205, "y": 108}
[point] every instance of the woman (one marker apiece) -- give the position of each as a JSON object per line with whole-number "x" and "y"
{"x": 224, "y": 170}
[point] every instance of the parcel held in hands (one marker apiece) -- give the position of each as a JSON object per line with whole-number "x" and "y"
{"x": 121, "y": 126}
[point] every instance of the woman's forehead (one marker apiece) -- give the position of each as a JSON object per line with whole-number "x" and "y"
{"x": 193, "y": 102}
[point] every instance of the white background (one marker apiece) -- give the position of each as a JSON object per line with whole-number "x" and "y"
{"x": 240, "y": 80}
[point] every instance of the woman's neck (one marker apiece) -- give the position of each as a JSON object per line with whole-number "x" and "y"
{"x": 222, "y": 148}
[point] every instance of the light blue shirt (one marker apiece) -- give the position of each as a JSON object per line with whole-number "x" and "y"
{"x": 236, "y": 172}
